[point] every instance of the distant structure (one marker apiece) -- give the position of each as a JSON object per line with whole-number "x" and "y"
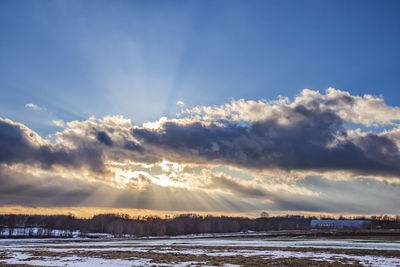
{"x": 339, "y": 224}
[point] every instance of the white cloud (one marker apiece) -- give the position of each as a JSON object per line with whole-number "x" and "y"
{"x": 58, "y": 123}
{"x": 367, "y": 110}
{"x": 33, "y": 106}
{"x": 180, "y": 103}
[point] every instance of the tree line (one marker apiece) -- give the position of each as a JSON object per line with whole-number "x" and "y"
{"x": 121, "y": 224}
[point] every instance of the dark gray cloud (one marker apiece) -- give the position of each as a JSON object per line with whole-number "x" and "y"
{"x": 313, "y": 139}
{"x": 133, "y": 146}
{"x": 383, "y": 151}
{"x": 103, "y": 137}
{"x": 17, "y": 146}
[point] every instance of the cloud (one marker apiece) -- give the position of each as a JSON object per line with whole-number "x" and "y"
{"x": 218, "y": 192}
{"x": 58, "y": 123}
{"x": 18, "y": 144}
{"x": 161, "y": 163}
{"x": 367, "y": 110}
{"x": 300, "y": 155}
{"x": 18, "y": 188}
{"x": 306, "y": 138}
{"x": 239, "y": 188}
{"x": 180, "y": 103}
{"x": 359, "y": 196}
{"x": 307, "y": 133}
{"x": 103, "y": 137}
{"x": 33, "y": 106}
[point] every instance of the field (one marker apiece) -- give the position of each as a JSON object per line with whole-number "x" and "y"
{"x": 217, "y": 251}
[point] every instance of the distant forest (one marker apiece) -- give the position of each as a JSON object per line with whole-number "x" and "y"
{"x": 120, "y": 225}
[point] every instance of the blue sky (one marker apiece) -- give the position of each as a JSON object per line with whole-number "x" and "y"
{"x": 89, "y": 93}
{"x": 138, "y": 58}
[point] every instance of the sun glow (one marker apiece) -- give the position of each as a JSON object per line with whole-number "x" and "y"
{"x": 142, "y": 179}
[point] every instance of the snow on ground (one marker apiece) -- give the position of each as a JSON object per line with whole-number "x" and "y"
{"x": 248, "y": 242}
{"x": 255, "y": 242}
{"x": 21, "y": 258}
{"x": 17, "y": 250}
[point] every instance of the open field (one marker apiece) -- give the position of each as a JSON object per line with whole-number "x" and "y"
{"x": 222, "y": 251}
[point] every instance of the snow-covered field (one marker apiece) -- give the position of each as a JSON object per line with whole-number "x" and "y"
{"x": 199, "y": 251}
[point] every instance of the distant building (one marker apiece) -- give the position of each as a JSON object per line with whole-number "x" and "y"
{"x": 339, "y": 224}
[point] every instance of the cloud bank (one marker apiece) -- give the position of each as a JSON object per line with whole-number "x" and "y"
{"x": 278, "y": 142}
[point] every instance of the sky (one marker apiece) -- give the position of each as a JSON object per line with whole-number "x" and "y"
{"x": 229, "y": 107}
